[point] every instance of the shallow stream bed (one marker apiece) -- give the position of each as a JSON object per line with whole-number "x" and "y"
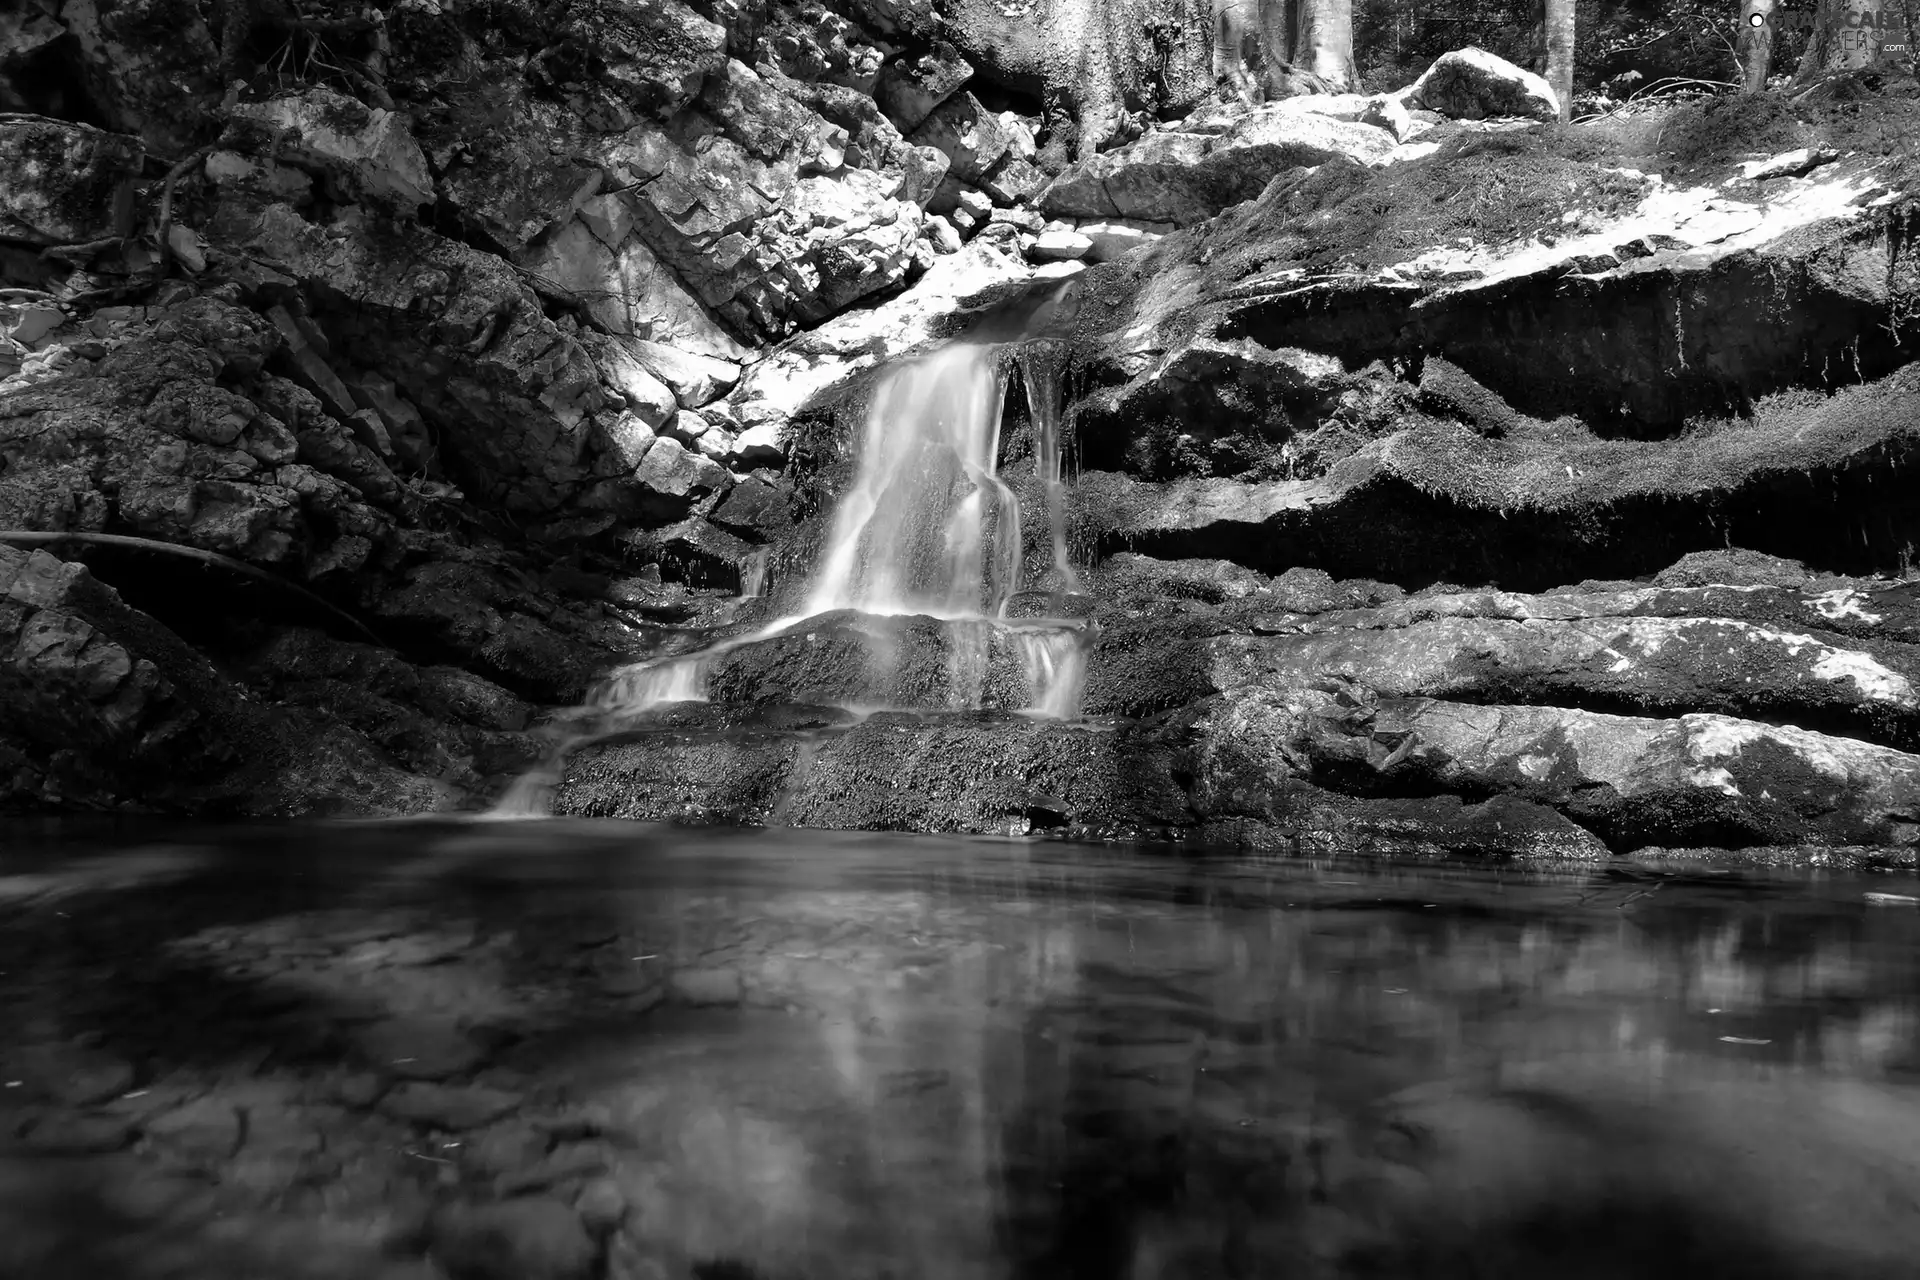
{"x": 560, "y": 1049}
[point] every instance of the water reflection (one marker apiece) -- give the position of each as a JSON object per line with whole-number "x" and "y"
{"x": 868, "y": 1056}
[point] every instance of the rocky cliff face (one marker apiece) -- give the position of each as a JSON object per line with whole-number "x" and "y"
{"x": 435, "y": 312}
{"x": 505, "y": 343}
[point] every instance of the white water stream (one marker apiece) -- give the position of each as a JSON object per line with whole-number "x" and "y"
{"x": 927, "y": 528}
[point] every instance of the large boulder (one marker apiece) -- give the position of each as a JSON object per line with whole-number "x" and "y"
{"x": 910, "y": 88}
{"x": 1670, "y": 664}
{"x": 1189, "y": 173}
{"x": 1697, "y": 779}
{"x": 973, "y": 139}
{"x": 64, "y": 183}
{"x": 1472, "y": 84}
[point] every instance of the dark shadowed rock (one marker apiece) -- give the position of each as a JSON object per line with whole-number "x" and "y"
{"x": 696, "y": 552}
{"x": 757, "y": 507}
{"x": 527, "y": 1239}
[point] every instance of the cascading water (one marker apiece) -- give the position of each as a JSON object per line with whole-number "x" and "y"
{"x": 927, "y": 528}
{"x": 929, "y": 450}
{"x": 1042, "y": 379}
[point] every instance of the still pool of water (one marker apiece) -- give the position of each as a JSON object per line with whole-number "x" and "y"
{"x": 557, "y": 1050}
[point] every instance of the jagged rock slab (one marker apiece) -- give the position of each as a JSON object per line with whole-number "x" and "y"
{"x": 460, "y": 334}
{"x": 1699, "y": 778}
{"x": 1442, "y": 503}
{"x": 1654, "y": 663}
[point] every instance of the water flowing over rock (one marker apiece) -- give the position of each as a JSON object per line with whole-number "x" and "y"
{"x": 900, "y": 541}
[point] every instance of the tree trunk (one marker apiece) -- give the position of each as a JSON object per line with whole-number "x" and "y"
{"x": 1560, "y": 53}
{"x": 1323, "y": 41}
{"x": 1754, "y": 49}
{"x": 1253, "y": 40}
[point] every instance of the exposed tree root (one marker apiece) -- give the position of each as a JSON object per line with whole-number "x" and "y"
{"x": 37, "y": 537}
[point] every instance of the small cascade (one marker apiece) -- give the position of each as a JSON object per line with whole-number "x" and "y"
{"x": 926, "y": 528}
{"x": 1056, "y": 663}
{"x": 753, "y": 572}
{"x": 654, "y": 684}
{"x": 1040, "y": 372}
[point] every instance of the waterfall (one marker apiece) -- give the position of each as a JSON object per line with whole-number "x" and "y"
{"x": 1041, "y": 376}
{"x": 927, "y": 527}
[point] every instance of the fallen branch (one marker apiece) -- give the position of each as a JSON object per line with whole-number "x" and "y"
{"x": 174, "y": 175}
{"x": 37, "y": 538}
{"x": 75, "y": 254}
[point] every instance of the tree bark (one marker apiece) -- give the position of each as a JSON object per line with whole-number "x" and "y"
{"x": 1754, "y": 48}
{"x": 1560, "y": 32}
{"x": 1253, "y": 39}
{"x": 1323, "y": 41}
